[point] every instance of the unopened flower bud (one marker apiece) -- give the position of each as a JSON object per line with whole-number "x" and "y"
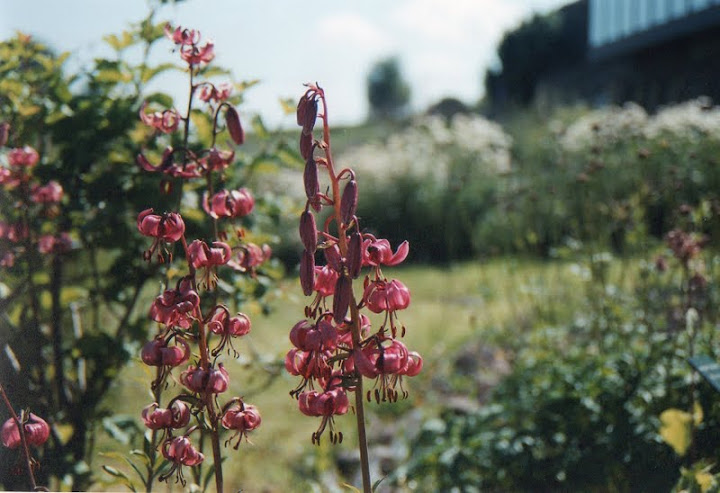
{"x": 308, "y": 231}
{"x": 334, "y": 260}
{"x": 307, "y": 272}
{"x": 348, "y": 203}
{"x": 310, "y": 179}
{"x": 232, "y": 119}
{"x": 307, "y": 113}
{"x": 354, "y": 255}
{"x": 341, "y": 299}
{"x": 306, "y": 145}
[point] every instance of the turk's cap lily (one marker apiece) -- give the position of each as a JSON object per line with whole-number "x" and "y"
{"x": 36, "y": 430}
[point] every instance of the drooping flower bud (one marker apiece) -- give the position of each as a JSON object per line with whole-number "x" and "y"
{"x": 235, "y": 203}
{"x": 341, "y": 299}
{"x": 308, "y": 231}
{"x": 241, "y": 417}
{"x": 157, "y": 353}
{"x": 218, "y": 160}
{"x": 222, "y": 323}
{"x": 328, "y": 403}
{"x": 325, "y": 279}
{"x": 166, "y": 121}
{"x": 212, "y": 380}
{"x": 348, "y": 203}
{"x": 232, "y": 119}
{"x": 332, "y": 255}
{"x": 180, "y": 451}
{"x": 169, "y": 227}
{"x": 156, "y": 418}
{"x": 201, "y": 255}
{"x": 176, "y": 307}
{"x": 36, "y": 430}
{"x": 383, "y": 296}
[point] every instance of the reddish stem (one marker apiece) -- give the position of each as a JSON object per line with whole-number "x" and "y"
{"x": 354, "y": 311}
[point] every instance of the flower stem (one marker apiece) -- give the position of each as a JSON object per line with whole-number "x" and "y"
{"x": 217, "y": 459}
{"x": 354, "y": 311}
{"x": 362, "y": 437}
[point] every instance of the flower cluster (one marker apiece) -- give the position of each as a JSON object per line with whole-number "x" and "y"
{"x": 31, "y": 203}
{"x": 184, "y": 162}
{"x": 691, "y": 121}
{"x": 335, "y": 346}
{"x": 430, "y": 146}
{"x": 195, "y": 329}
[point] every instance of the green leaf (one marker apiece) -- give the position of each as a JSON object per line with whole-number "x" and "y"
{"x": 259, "y": 127}
{"x": 288, "y": 105}
{"x": 120, "y": 475}
{"x": 110, "y": 75}
{"x": 142, "y": 455}
{"x": 114, "y": 431}
{"x": 290, "y": 158}
{"x": 377, "y": 483}
{"x": 149, "y": 73}
{"x": 140, "y": 474}
{"x": 246, "y": 84}
{"x": 121, "y": 42}
{"x": 212, "y": 71}
{"x": 203, "y": 125}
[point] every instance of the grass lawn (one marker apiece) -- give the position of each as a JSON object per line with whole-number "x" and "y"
{"x": 450, "y": 307}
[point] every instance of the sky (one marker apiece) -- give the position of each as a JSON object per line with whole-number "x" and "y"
{"x": 444, "y": 46}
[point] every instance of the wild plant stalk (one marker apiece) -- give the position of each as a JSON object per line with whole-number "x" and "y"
{"x": 183, "y": 316}
{"x": 334, "y": 345}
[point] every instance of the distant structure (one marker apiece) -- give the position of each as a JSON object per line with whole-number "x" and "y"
{"x": 653, "y": 52}
{"x": 621, "y": 27}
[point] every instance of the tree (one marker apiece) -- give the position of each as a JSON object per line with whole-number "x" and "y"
{"x": 539, "y": 46}
{"x": 388, "y": 93}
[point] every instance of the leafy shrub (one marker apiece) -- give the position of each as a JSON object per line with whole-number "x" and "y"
{"x": 580, "y": 409}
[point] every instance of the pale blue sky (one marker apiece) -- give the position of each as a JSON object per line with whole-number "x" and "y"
{"x": 444, "y": 45}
